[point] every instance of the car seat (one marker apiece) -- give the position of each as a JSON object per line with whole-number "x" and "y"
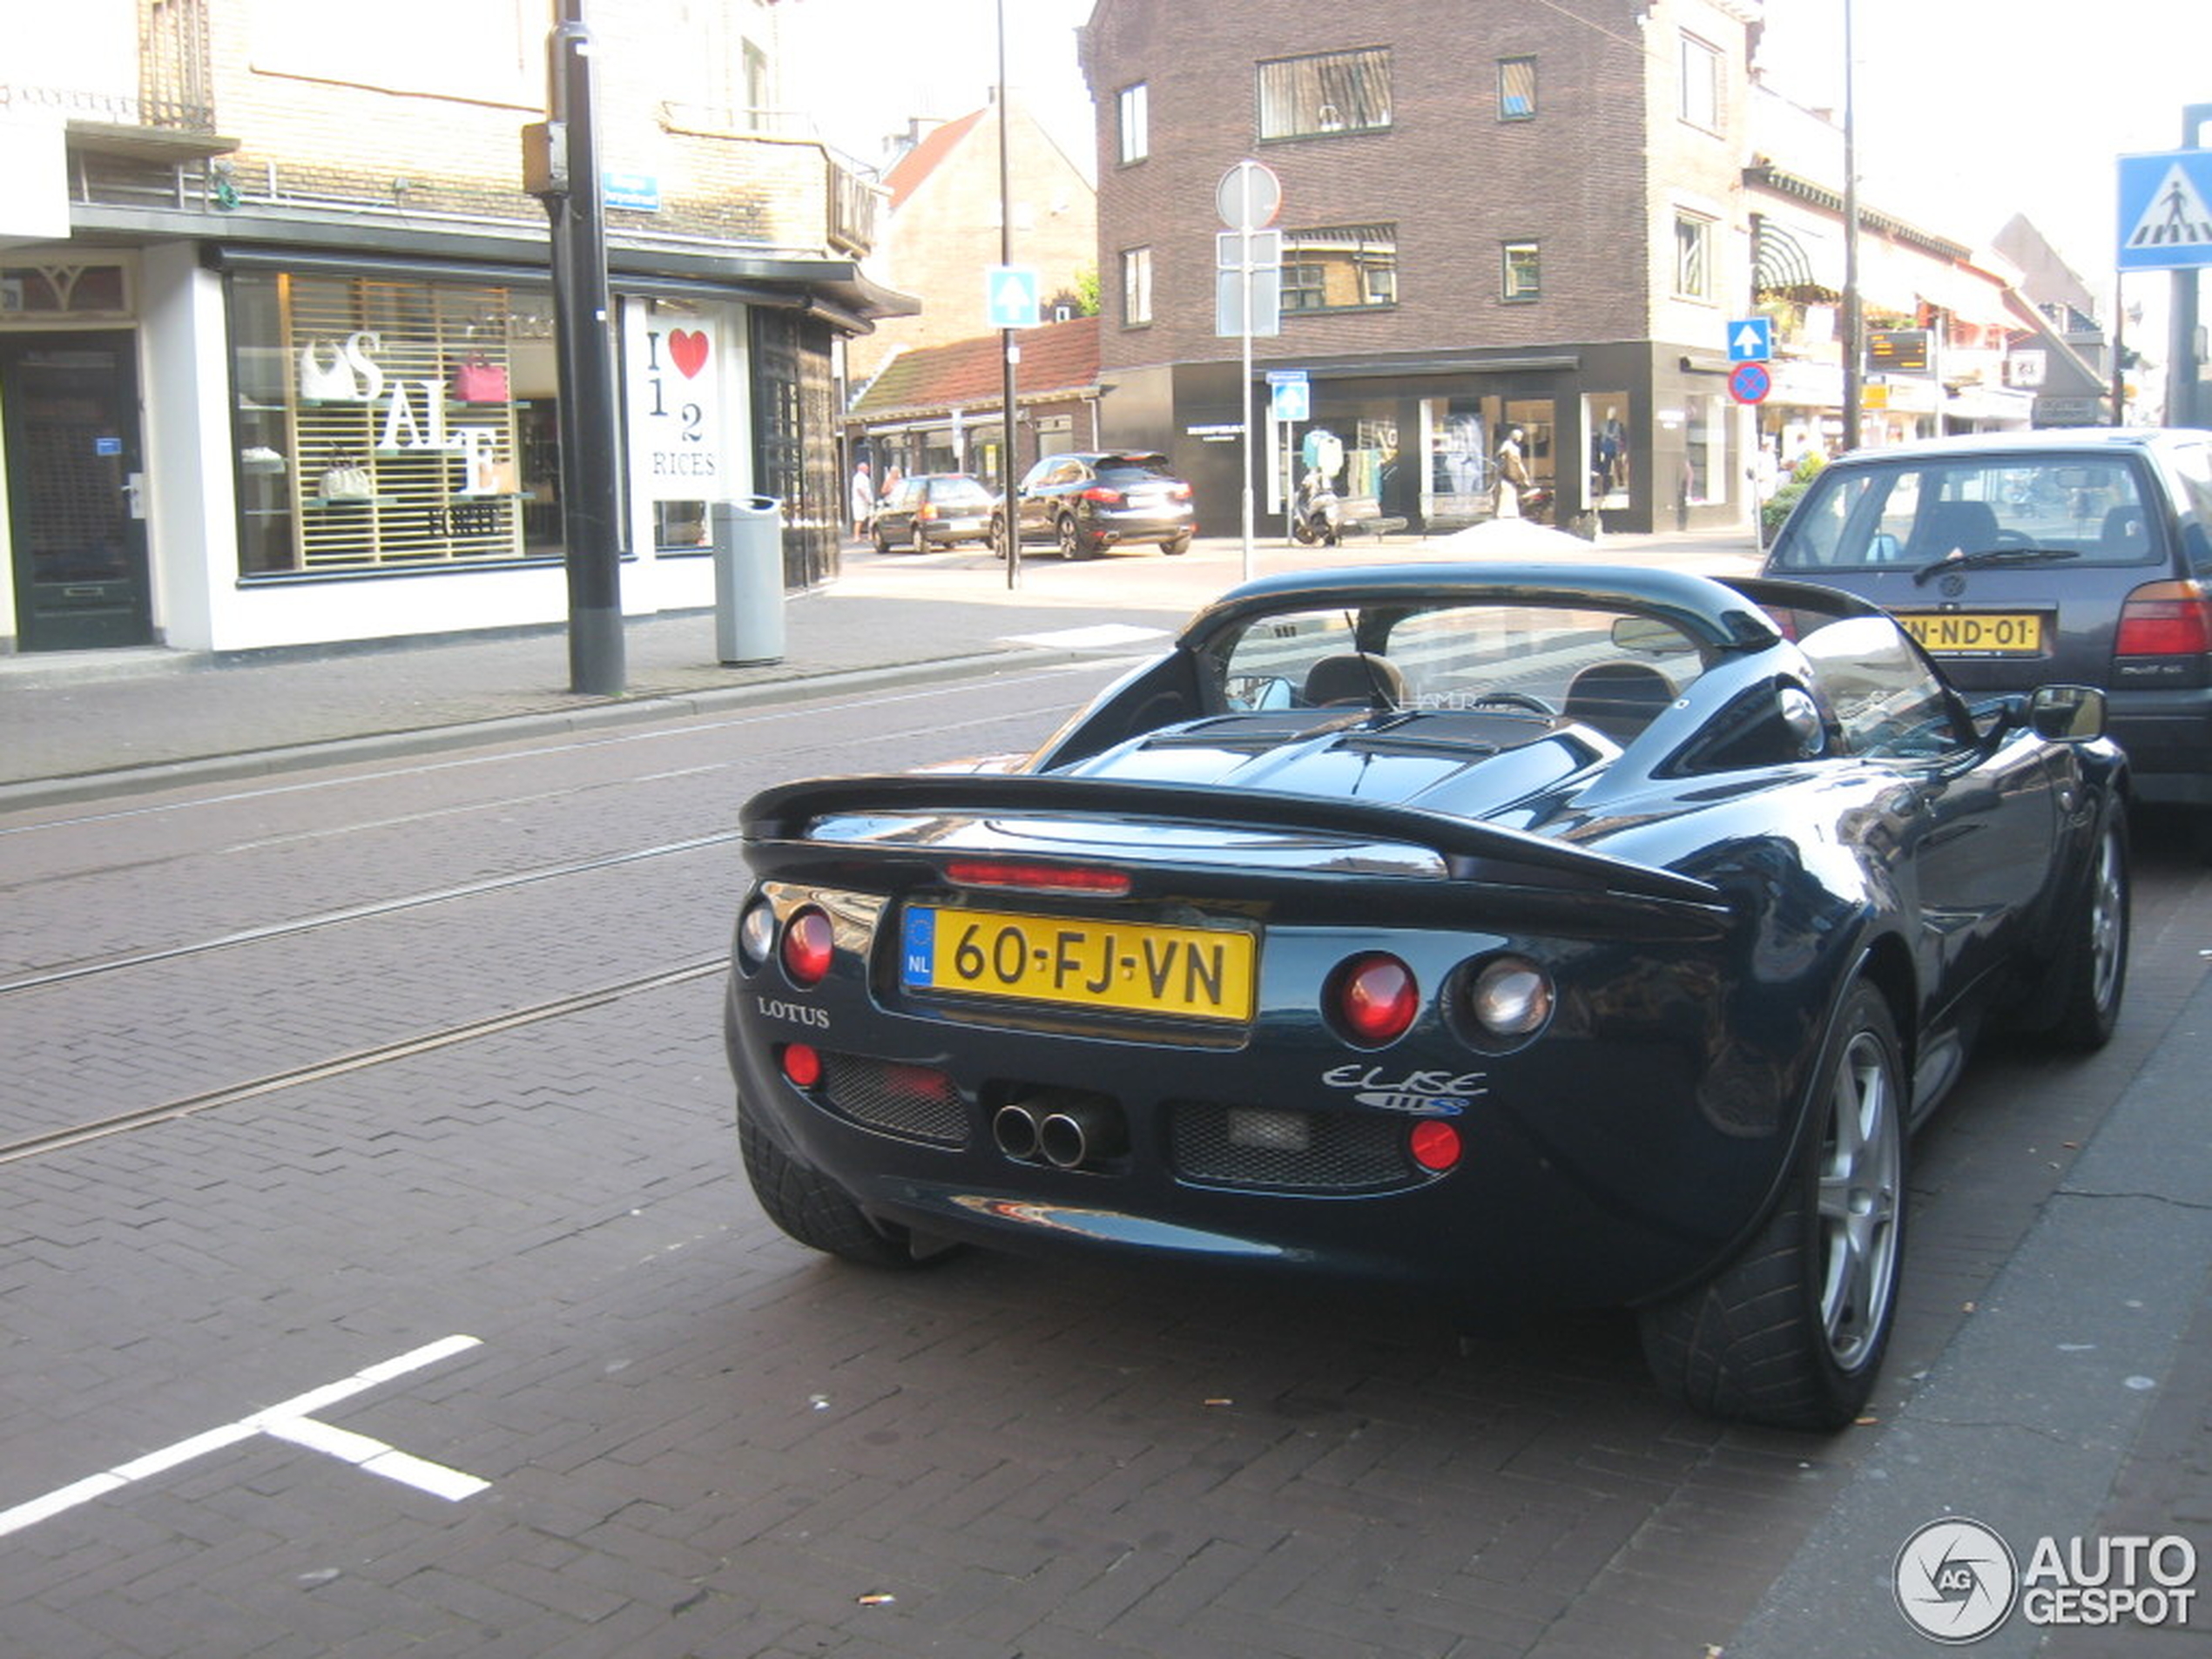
{"x": 1352, "y": 678}
{"x": 2125, "y": 534}
{"x": 1954, "y": 526}
{"x": 1619, "y": 698}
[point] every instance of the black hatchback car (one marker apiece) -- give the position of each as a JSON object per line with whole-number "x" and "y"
{"x": 933, "y": 510}
{"x": 2020, "y": 557}
{"x": 1085, "y": 503}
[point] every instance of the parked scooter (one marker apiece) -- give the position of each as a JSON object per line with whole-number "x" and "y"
{"x": 1315, "y": 512}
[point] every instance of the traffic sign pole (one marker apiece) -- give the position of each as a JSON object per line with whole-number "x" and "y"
{"x": 1247, "y": 198}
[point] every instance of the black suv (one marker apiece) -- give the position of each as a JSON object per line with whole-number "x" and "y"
{"x": 2016, "y": 558}
{"x": 1085, "y": 503}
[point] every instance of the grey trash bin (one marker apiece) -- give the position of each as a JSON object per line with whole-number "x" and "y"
{"x": 749, "y": 580}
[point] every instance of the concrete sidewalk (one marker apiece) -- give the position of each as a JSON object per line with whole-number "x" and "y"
{"x": 82, "y": 724}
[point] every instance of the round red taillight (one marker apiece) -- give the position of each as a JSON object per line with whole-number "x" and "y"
{"x": 802, "y": 1065}
{"x": 807, "y": 947}
{"x": 1376, "y": 998}
{"x": 1434, "y": 1144}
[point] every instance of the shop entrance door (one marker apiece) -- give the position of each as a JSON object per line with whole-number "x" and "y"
{"x": 74, "y": 496}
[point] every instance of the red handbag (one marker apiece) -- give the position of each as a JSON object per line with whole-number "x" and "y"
{"x": 477, "y": 381}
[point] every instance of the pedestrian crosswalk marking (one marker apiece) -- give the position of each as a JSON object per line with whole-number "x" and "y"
{"x": 2175, "y": 217}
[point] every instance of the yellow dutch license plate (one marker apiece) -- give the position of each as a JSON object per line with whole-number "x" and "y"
{"x": 1189, "y": 973}
{"x": 1953, "y": 633}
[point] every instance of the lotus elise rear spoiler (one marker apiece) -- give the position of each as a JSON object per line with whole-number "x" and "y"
{"x": 1471, "y": 853}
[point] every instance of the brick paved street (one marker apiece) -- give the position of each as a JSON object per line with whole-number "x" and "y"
{"x": 702, "y": 1439}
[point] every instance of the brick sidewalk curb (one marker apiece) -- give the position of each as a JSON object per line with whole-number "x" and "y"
{"x": 639, "y": 708}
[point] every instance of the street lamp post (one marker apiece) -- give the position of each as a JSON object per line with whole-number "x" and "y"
{"x": 561, "y": 163}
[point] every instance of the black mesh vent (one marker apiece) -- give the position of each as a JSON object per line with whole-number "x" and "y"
{"x": 1252, "y": 1146}
{"x": 913, "y": 1102}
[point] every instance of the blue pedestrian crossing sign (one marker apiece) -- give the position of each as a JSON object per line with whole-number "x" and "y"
{"x": 1750, "y": 339}
{"x": 1010, "y": 293}
{"x": 2166, "y": 211}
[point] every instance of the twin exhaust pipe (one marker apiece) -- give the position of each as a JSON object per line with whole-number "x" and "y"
{"x": 1068, "y": 1128}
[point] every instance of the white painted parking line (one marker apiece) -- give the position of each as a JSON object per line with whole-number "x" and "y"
{"x": 287, "y": 1421}
{"x": 376, "y": 1456}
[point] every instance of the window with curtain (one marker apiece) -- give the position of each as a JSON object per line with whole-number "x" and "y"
{"x": 1516, "y": 89}
{"x": 1693, "y": 257}
{"x": 1304, "y": 97}
{"x": 1136, "y": 286}
{"x": 1523, "y": 271}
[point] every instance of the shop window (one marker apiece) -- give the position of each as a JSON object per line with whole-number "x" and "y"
{"x": 1524, "y": 277}
{"x": 1133, "y": 107}
{"x": 1704, "y": 471}
{"x": 1136, "y": 286}
{"x": 385, "y": 424}
{"x": 1693, "y": 257}
{"x": 1605, "y": 440}
{"x": 1459, "y": 480}
{"x": 1340, "y": 267}
{"x": 1306, "y": 98}
{"x": 1701, "y": 84}
{"x": 1516, "y": 89}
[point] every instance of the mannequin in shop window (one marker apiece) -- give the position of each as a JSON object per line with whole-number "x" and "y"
{"x": 1513, "y": 475}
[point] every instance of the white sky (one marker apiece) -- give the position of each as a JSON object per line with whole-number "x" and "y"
{"x": 1968, "y": 110}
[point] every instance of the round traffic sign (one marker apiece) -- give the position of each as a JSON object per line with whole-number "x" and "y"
{"x": 1248, "y": 196}
{"x": 1750, "y": 382}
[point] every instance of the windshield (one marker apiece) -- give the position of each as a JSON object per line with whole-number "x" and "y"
{"x": 956, "y": 492}
{"x": 1913, "y": 512}
{"x": 1615, "y": 669}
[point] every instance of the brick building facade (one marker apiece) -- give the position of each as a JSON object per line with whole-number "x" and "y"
{"x": 1496, "y": 217}
{"x": 940, "y": 232}
{"x": 278, "y": 347}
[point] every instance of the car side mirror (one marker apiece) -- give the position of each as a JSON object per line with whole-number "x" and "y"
{"x": 2066, "y": 714}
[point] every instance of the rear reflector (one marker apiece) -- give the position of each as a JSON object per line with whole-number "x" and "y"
{"x": 2165, "y": 619}
{"x": 1435, "y": 1146}
{"x": 802, "y": 1065}
{"x": 1035, "y": 878}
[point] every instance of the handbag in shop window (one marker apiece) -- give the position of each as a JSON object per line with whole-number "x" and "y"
{"x": 348, "y": 480}
{"x": 480, "y": 381}
{"x": 325, "y": 376}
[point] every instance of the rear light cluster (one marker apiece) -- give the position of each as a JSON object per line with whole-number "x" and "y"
{"x": 1373, "y": 999}
{"x": 804, "y": 944}
{"x": 2165, "y": 619}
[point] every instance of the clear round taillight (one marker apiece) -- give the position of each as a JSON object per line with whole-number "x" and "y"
{"x": 756, "y": 935}
{"x": 808, "y": 942}
{"x": 1374, "y": 998}
{"x": 1510, "y": 998}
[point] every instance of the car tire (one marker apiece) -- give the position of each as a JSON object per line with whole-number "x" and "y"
{"x": 921, "y": 539}
{"x": 814, "y": 1210}
{"x": 2091, "y": 967}
{"x": 882, "y": 547}
{"x": 1792, "y": 1331}
{"x": 1073, "y": 544}
{"x": 995, "y": 539}
{"x": 1176, "y": 546}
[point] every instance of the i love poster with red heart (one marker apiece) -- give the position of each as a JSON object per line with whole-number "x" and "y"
{"x": 687, "y": 350}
